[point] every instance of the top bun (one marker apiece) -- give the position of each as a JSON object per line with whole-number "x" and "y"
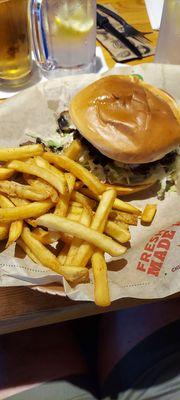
{"x": 127, "y": 119}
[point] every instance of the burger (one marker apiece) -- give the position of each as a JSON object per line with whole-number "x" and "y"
{"x": 130, "y": 132}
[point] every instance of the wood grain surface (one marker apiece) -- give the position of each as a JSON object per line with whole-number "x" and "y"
{"x": 23, "y": 308}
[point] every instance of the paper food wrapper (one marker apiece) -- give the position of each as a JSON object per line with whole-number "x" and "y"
{"x": 151, "y": 267}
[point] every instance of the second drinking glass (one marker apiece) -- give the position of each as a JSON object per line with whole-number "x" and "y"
{"x": 64, "y": 35}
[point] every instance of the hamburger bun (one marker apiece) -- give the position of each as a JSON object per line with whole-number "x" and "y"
{"x": 127, "y": 119}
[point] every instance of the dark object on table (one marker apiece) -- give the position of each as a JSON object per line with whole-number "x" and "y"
{"x": 118, "y": 49}
{"x": 103, "y": 22}
{"x": 129, "y": 30}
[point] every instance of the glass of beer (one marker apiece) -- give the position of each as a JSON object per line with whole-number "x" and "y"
{"x": 15, "y": 52}
{"x": 64, "y": 35}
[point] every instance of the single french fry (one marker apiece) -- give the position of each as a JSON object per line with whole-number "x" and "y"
{"x": 63, "y": 253}
{"x": 126, "y": 207}
{"x": 19, "y": 202}
{"x": 43, "y": 173}
{"x": 40, "y": 161}
{"x": 34, "y": 210}
{"x": 83, "y": 200}
{"x": 73, "y": 217}
{"x": 127, "y": 190}
{"x": 15, "y": 189}
{"x": 77, "y": 170}
{"x": 74, "y": 274}
{"x": 74, "y": 150}
{"x": 4, "y": 231}
{"x": 74, "y": 205}
{"x": 116, "y": 232}
{"x": 71, "y": 180}
{"x": 18, "y": 153}
{"x": 130, "y": 219}
{"x": 5, "y": 202}
{"x": 122, "y": 225}
{"x": 6, "y": 173}
{"x": 101, "y": 241}
{"x": 148, "y": 213}
{"x": 39, "y": 183}
{"x": 98, "y": 223}
{"x": 85, "y": 220}
{"x": 63, "y": 203}
{"x": 27, "y": 251}
{"x": 101, "y": 286}
{"x": 14, "y": 232}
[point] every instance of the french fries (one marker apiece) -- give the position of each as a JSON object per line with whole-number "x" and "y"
{"x": 101, "y": 286}
{"x": 48, "y": 259}
{"x": 130, "y": 219}
{"x": 118, "y": 204}
{"x": 43, "y": 173}
{"x": 15, "y": 229}
{"x": 116, "y": 232}
{"x": 76, "y": 229}
{"x": 148, "y": 213}
{"x": 44, "y": 186}
{"x": 126, "y": 190}
{"x": 15, "y": 189}
{"x": 19, "y": 153}
{"x": 83, "y": 200}
{"x": 34, "y": 210}
{"x": 46, "y": 237}
{"x": 4, "y": 231}
{"x": 77, "y": 170}
{"x": 85, "y": 220}
{"x": 55, "y": 203}
{"x": 74, "y": 150}
{"x": 27, "y": 251}
{"x": 98, "y": 223}
{"x": 63, "y": 203}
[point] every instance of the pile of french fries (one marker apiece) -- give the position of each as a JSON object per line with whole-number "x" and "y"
{"x": 62, "y": 216}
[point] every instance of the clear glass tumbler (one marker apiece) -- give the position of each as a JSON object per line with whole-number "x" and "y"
{"x": 168, "y": 47}
{"x": 64, "y": 35}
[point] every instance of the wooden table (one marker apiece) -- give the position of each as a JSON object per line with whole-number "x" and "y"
{"x": 23, "y": 308}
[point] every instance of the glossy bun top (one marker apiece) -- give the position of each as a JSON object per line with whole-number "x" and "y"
{"x": 127, "y": 119}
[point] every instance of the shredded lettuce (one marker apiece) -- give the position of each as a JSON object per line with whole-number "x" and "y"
{"x": 166, "y": 172}
{"x": 57, "y": 141}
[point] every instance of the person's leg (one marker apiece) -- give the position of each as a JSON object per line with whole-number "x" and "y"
{"x": 43, "y": 363}
{"x": 136, "y": 340}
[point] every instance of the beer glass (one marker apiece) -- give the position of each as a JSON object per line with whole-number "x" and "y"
{"x": 168, "y": 47}
{"x": 64, "y": 35}
{"x": 15, "y": 52}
